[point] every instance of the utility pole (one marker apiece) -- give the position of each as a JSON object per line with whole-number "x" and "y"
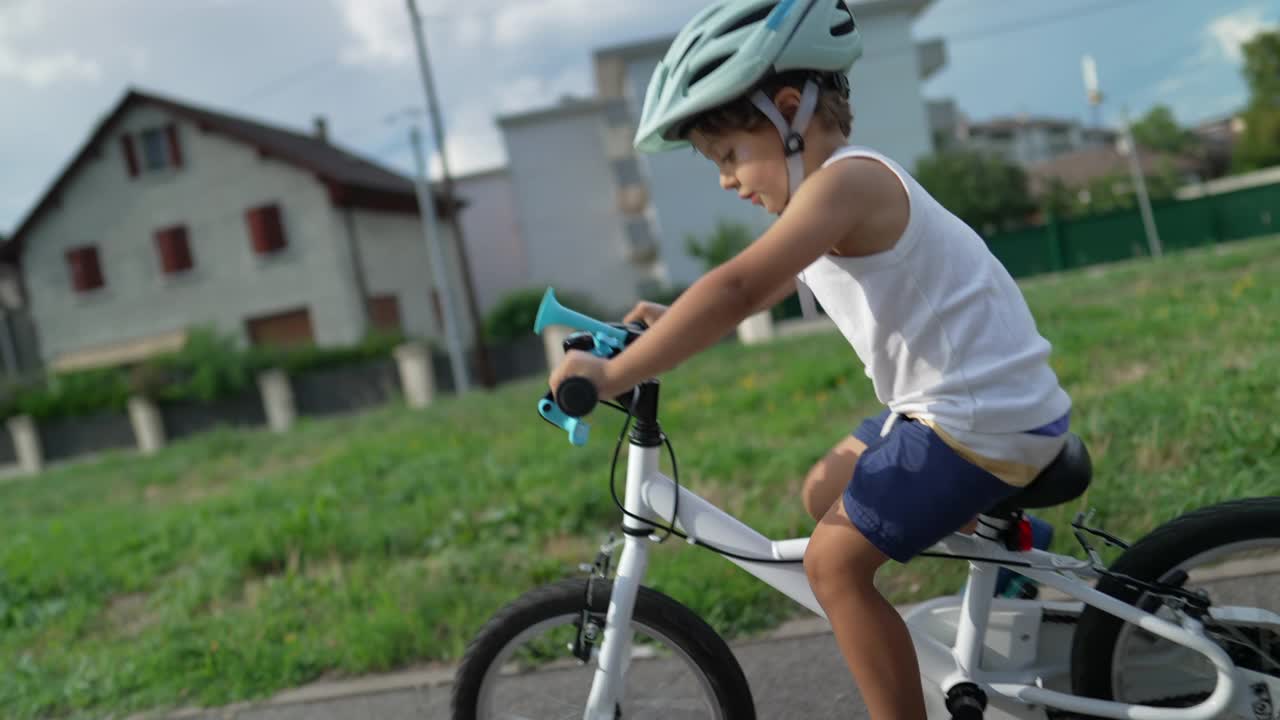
{"x": 431, "y": 233}
{"x": 437, "y": 127}
{"x": 1130, "y": 148}
{"x": 1140, "y": 183}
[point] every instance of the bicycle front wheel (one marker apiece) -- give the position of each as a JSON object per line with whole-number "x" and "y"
{"x": 521, "y": 663}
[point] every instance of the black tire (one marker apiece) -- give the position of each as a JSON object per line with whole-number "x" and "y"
{"x": 677, "y": 623}
{"x": 1168, "y": 546}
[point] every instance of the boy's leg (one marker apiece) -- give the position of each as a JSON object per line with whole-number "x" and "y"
{"x": 841, "y": 565}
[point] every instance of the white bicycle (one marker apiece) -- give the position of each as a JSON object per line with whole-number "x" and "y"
{"x": 1151, "y": 642}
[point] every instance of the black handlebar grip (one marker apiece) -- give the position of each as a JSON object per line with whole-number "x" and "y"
{"x": 577, "y": 396}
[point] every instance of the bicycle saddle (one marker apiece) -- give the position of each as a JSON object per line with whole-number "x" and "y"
{"x": 1066, "y": 478}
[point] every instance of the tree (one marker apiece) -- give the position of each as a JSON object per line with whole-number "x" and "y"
{"x": 984, "y": 190}
{"x": 1259, "y": 145}
{"x": 1159, "y": 130}
{"x": 728, "y": 239}
{"x": 1116, "y": 191}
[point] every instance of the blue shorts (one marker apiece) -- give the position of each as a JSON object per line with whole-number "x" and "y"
{"x": 910, "y": 489}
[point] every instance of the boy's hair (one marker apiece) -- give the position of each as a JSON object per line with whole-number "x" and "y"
{"x": 833, "y": 106}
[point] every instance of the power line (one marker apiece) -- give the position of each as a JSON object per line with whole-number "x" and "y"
{"x": 1042, "y": 20}
{"x": 287, "y": 80}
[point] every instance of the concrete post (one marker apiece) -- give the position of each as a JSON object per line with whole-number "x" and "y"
{"x": 416, "y": 375}
{"x": 553, "y": 343}
{"x": 148, "y": 425}
{"x": 756, "y": 329}
{"x": 277, "y": 399}
{"x": 26, "y": 442}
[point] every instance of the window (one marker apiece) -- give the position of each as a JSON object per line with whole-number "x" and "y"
{"x": 152, "y": 150}
{"x": 86, "y": 270}
{"x": 384, "y": 313}
{"x": 174, "y": 249}
{"x": 266, "y": 233}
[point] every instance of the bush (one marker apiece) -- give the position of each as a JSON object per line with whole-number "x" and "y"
{"x": 210, "y": 366}
{"x": 512, "y": 318}
{"x": 68, "y": 394}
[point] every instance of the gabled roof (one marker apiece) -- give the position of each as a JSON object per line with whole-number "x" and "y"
{"x": 352, "y": 181}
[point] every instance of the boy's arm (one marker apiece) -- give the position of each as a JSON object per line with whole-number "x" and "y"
{"x": 833, "y": 207}
{"x": 783, "y": 291}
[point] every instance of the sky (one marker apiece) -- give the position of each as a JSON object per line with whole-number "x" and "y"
{"x": 66, "y": 63}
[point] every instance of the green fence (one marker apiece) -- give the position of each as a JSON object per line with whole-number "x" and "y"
{"x": 1097, "y": 239}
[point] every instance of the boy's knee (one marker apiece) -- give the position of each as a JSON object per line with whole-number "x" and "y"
{"x": 831, "y": 567}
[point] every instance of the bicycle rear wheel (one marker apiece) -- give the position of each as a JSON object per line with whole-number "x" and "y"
{"x": 520, "y": 665}
{"x": 1232, "y": 552}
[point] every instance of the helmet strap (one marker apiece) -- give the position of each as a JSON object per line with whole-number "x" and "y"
{"x": 793, "y": 145}
{"x": 793, "y": 133}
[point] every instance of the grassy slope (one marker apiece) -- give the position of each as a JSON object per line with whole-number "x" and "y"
{"x": 238, "y": 563}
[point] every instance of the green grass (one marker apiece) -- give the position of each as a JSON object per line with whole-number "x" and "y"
{"x": 239, "y": 563}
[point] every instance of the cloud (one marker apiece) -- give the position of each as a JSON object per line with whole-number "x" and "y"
{"x": 519, "y": 22}
{"x": 531, "y": 92}
{"x": 27, "y": 18}
{"x": 380, "y": 31}
{"x": 381, "y": 35}
{"x": 1227, "y": 33}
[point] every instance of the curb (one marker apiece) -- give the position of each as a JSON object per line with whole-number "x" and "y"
{"x": 439, "y": 676}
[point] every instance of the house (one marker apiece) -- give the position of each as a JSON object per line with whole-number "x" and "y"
{"x": 1218, "y": 138}
{"x": 1024, "y": 140}
{"x": 494, "y": 248}
{"x": 172, "y": 216}
{"x": 596, "y": 217}
{"x": 1077, "y": 169}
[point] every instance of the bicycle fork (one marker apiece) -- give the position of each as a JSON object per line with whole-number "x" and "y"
{"x": 614, "y": 657}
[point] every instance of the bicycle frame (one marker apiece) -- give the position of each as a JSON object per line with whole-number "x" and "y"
{"x": 651, "y": 494}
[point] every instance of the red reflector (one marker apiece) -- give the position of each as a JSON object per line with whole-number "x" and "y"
{"x": 1024, "y": 537}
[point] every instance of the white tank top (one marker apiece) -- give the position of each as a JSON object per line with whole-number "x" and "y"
{"x": 940, "y": 325}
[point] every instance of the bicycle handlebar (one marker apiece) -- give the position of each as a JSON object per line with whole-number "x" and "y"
{"x": 577, "y": 396}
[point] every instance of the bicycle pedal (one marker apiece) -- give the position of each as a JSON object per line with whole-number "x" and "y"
{"x": 966, "y": 701}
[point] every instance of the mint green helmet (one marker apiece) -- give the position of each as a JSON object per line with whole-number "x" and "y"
{"x": 729, "y": 47}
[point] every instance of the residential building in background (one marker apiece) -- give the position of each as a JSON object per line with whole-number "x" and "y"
{"x": 491, "y": 234}
{"x": 172, "y": 216}
{"x": 1023, "y": 140}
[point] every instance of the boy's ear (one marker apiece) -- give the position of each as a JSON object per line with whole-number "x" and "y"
{"x": 787, "y": 100}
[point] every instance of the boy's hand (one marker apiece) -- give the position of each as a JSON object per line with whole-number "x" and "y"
{"x": 645, "y": 311}
{"x": 583, "y": 364}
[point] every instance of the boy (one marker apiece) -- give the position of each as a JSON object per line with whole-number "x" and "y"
{"x": 974, "y": 410}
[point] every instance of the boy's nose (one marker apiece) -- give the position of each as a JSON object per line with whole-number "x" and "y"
{"x": 728, "y": 182}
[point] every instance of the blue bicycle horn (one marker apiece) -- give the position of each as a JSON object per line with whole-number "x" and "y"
{"x": 551, "y": 312}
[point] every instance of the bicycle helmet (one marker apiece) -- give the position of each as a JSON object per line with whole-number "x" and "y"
{"x": 729, "y": 47}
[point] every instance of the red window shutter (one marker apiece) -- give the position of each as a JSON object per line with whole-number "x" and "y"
{"x": 130, "y": 155}
{"x": 175, "y": 250}
{"x": 86, "y": 272}
{"x": 175, "y": 151}
{"x": 265, "y": 230}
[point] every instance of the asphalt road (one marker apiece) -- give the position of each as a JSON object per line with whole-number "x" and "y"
{"x": 793, "y": 677}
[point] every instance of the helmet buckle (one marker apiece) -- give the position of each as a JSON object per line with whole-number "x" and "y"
{"x": 793, "y": 143}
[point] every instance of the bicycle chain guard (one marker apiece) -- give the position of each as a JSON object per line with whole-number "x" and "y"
{"x": 1168, "y": 589}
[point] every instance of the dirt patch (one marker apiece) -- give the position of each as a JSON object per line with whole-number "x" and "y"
{"x": 1128, "y": 375}
{"x": 568, "y": 548}
{"x": 127, "y": 614}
